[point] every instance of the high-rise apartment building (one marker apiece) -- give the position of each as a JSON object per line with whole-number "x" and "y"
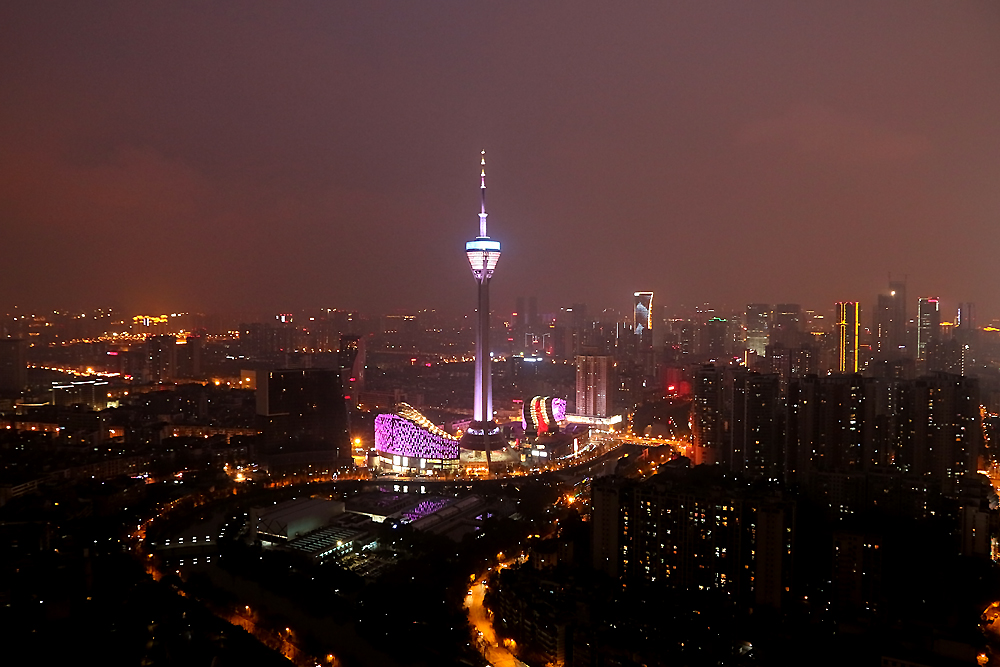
{"x": 708, "y": 427}
{"x": 592, "y": 385}
{"x": 676, "y": 530}
{"x": 848, "y": 330}
{"x": 947, "y": 433}
{"x": 161, "y": 359}
{"x": 756, "y": 447}
{"x": 824, "y": 425}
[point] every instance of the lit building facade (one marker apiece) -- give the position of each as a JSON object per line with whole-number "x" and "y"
{"x": 592, "y": 373}
{"x": 672, "y": 530}
{"x": 848, "y": 329}
{"x": 642, "y": 314}
{"x": 928, "y": 324}
{"x": 407, "y": 443}
{"x": 543, "y": 414}
{"x": 757, "y": 316}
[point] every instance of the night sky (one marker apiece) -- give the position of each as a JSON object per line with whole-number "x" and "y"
{"x": 180, "y": 156}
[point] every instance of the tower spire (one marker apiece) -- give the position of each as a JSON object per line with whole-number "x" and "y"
{"x": 482, "y": 197}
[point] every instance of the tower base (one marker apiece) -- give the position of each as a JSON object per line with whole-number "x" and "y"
{"x": 481, "y": 436}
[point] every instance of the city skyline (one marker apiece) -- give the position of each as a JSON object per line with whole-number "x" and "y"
{"x": 782, "y": 153}
{"x": 734, "y": 399}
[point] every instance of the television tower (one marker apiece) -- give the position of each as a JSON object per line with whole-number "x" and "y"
{"x": 483, "y": 252}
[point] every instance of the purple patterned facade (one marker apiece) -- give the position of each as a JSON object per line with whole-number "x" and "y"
{"x": 559, "y": 409}
{"x": 396, "y": 435}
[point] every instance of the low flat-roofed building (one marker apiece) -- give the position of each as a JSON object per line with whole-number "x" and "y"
{"x": 379, "y": 505}
{"x": 286, "y": 521}
{"x": 333, "y": 540}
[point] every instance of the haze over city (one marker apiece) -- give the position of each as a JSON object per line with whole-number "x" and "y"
{"x": 162, "y": 156}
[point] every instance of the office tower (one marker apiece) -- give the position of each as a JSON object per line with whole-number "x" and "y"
{"x": 786, "y": 326}
{"x": 966, "y": 338}
{"x": 966, "y": 316}
{"x": 714, "y": 338}
{"x": 847, "y": 336}
{"x": 592, "y": 386}
{"x": 351, "y": 362}
{"x": 13, "y": 366}
{"x": 928, "y": 324}
{"x": 890, "y": 321}
{"x": 757, "y": 316}
{"x": 573, "y": 325}
{"x": 302, "y": 411}
{"x": 642, "y": 315}
{"x": 483, "y": 252}
{"x": 642, "y": 328}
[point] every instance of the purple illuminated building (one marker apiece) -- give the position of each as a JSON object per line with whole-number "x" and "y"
{"x": 398, "y": 435}
{"x": 407, "y": 442}
{"x": 483, "y": 252}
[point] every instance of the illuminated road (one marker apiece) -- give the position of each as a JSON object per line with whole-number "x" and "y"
{"x": 479, "y": 617}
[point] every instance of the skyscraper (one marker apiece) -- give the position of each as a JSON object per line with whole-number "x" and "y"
{"x": 966, "y": 316}
{"x": 847, "y": 336}
{"x": 642, "y": 315}
{"x": 483, "y": 252}
{"x": 757, "y": 315}
{"x": 351, "y": 362}
{"x": 786, "y": 326}
{"x": 642, "y": 327}
{"x": 592, "y": 385}
{"x": 928, "y": 324}
{"x": 890, "y": 321}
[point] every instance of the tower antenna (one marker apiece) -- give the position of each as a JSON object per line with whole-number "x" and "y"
{"x": 482, "y": 197}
